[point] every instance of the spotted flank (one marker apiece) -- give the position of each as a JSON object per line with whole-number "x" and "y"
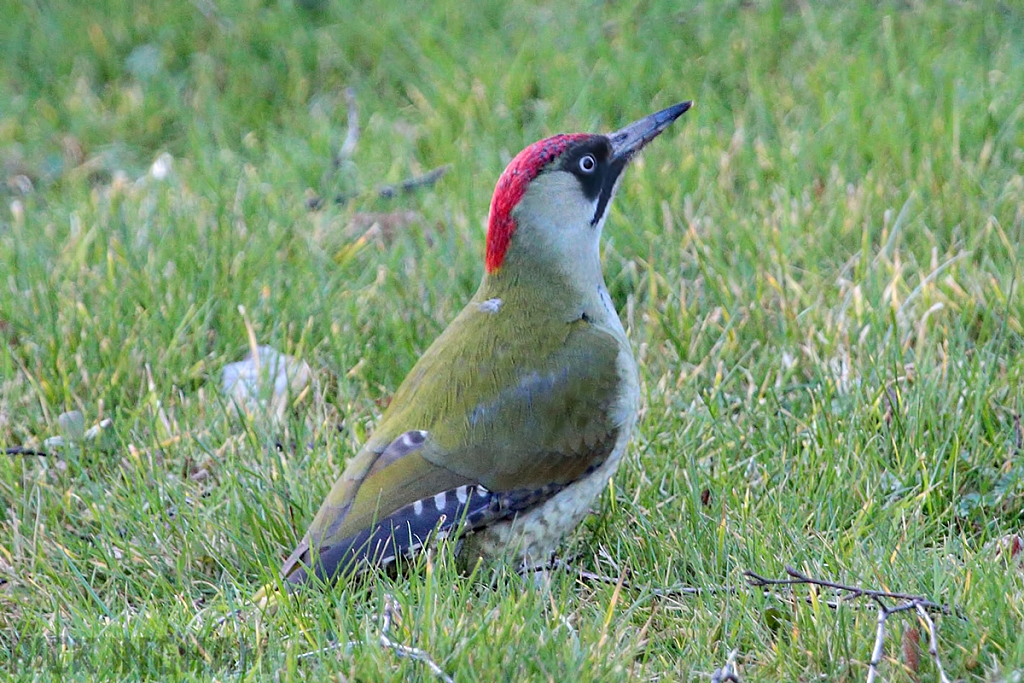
{"x": 460, "y": 510}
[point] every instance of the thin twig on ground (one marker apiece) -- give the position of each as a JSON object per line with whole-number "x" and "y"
{"x": 21, "y": 450}
{"x": 387, "y": 191}
{"x": 933, "y": 642}
{"x": 392, "y": 607}
{"x": 329, "y": 648}
{"x": 905, "y": 603}
{"x": 728, "y": 673}
{"x": 878, "y": 650}
{"x": 388, "y": 614}
{"x": 585, "y": 575}
{"x": 414, "y": 183}
{"x": 850, "y": 592}
{"x": 352, "y": 132}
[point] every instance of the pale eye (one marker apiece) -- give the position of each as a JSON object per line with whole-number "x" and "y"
{"x": 588, "y": 163}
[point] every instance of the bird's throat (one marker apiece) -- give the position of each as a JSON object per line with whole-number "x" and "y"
{"x": 549, "y": 294}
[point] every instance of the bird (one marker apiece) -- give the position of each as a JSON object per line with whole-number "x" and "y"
{"x": 515, "y": 418}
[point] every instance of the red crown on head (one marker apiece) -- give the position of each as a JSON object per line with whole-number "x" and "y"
{"x": 512, "y": 186}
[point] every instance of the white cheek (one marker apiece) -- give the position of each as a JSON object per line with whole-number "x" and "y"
{"x": 599, "y": 226}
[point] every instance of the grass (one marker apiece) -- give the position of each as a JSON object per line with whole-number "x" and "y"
{"x": 819, "y": 267}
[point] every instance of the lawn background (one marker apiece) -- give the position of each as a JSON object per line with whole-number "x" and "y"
{"x": 819, "y": 268}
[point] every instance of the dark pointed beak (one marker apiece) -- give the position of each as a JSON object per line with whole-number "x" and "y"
{"x": 631, "y": 139}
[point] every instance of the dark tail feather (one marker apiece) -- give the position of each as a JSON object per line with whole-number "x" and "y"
{"x": 408, "y": 529}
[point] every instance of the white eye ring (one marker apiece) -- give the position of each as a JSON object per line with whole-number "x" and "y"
{"x": 588, "y": 163}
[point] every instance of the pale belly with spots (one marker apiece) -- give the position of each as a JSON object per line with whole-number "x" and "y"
{"x": 532, "y": 536}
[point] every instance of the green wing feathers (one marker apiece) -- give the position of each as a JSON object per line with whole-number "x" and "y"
{"x": 448, "y": 430}
{"x": 556, "y": 404}
{"x": 354, "y": 521}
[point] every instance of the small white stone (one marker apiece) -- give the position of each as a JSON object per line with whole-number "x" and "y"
{"x": 270, "y": 380}
{"x": 72, "y": 424}
{"x": 161, "y": 168}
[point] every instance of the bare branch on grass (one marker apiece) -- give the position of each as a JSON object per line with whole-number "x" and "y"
{"x": 391, "y": 611}
{"x": 905, "y": 603}
{"x": 72, "y": 424}
{"x": 1018, "y": 435}
{"x": 330, "y": 648}
{"x": 21, "y": 450}
{"x": 352, "y": 132}
{"x": 391, "y": 608}
{"x": 388, "y": 191}
{"x": 585, "y": 575}
{"x": 933, "y": 642}
{"x": 414, "y": 183}
{"x": 348, "y": 148}
{"x": 728, "y": 673}
{"x": 879, "y": 649}
{"x": 846, "y": 591}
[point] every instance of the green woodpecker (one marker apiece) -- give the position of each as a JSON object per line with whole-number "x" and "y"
{"x": 514, "y": 419}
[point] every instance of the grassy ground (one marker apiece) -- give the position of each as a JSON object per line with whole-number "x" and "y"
{"x": 819, "y": 267}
